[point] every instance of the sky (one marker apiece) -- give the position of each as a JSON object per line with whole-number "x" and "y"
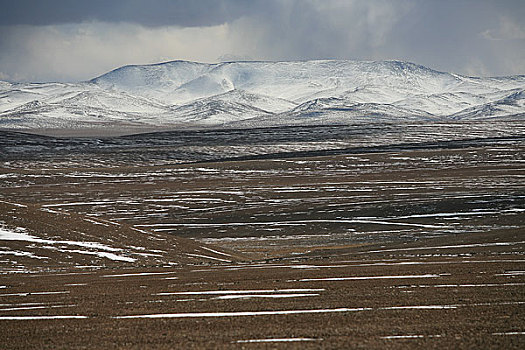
{"x": 76, "y": 40}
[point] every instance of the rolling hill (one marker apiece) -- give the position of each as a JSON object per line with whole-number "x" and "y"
{"x": 261, "y": 94}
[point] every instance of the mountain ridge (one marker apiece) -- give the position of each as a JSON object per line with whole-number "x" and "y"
{"x": 265, "y": 93}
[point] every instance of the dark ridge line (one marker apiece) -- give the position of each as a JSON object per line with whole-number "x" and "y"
{"x": 197, "y": 130}
{"x": 240, "y": 130}
{"x": 218, "y": 129}
{"x": 449, "y": 144}
{"x": 12, "y": 132}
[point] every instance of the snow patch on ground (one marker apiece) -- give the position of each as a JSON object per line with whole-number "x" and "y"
{"x": 95, "y": 248}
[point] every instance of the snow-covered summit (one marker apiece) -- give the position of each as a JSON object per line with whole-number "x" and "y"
{"x": 262, "y": 93}
{"x": 179, "y": 81}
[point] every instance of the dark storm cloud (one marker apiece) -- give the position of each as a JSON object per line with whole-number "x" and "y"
{"x": 476, "y": 37}
{"x": 74, "y": 40}
{"x": 146, "y": 12}
{"x": 454, "y": 35}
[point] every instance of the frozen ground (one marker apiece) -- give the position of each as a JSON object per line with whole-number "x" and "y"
{"x": 338, "y": 299}
{"x": 330, "y": 186}
{"x": 172, "y": 147}
{"x": 330, "y": 237}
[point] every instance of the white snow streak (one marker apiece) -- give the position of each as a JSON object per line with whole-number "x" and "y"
{"x": 277, "y": 340}
{"x": 28, "y": 318}
{"x": 268, "y": 296}
{"x": 367, "y": 278}
{"x": 243, "y": 313}
{"x": 233, "y": 292}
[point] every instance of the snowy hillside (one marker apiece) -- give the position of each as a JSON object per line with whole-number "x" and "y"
{"x": 251, "y": 94}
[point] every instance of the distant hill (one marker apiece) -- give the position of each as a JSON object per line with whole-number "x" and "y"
{"x": 258, "y": 94}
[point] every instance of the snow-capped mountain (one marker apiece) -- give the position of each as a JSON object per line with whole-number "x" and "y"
{"x": 250, "y": 94}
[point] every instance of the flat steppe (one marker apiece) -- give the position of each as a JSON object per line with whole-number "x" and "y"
{"x": 334, "y": 242}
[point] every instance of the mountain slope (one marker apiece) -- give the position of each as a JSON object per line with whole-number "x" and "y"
{"x": 189, "y": 94}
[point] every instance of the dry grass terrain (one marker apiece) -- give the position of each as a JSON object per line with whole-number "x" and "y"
{"x": 317, "y": 246}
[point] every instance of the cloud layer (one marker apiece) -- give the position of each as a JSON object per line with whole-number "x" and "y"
{"x": 69, "y": 40}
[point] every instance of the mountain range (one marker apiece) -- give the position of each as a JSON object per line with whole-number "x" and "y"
{"x": 261, "y": 94}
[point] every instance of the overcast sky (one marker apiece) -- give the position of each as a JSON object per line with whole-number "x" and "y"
{"x": 74, "y": 40}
